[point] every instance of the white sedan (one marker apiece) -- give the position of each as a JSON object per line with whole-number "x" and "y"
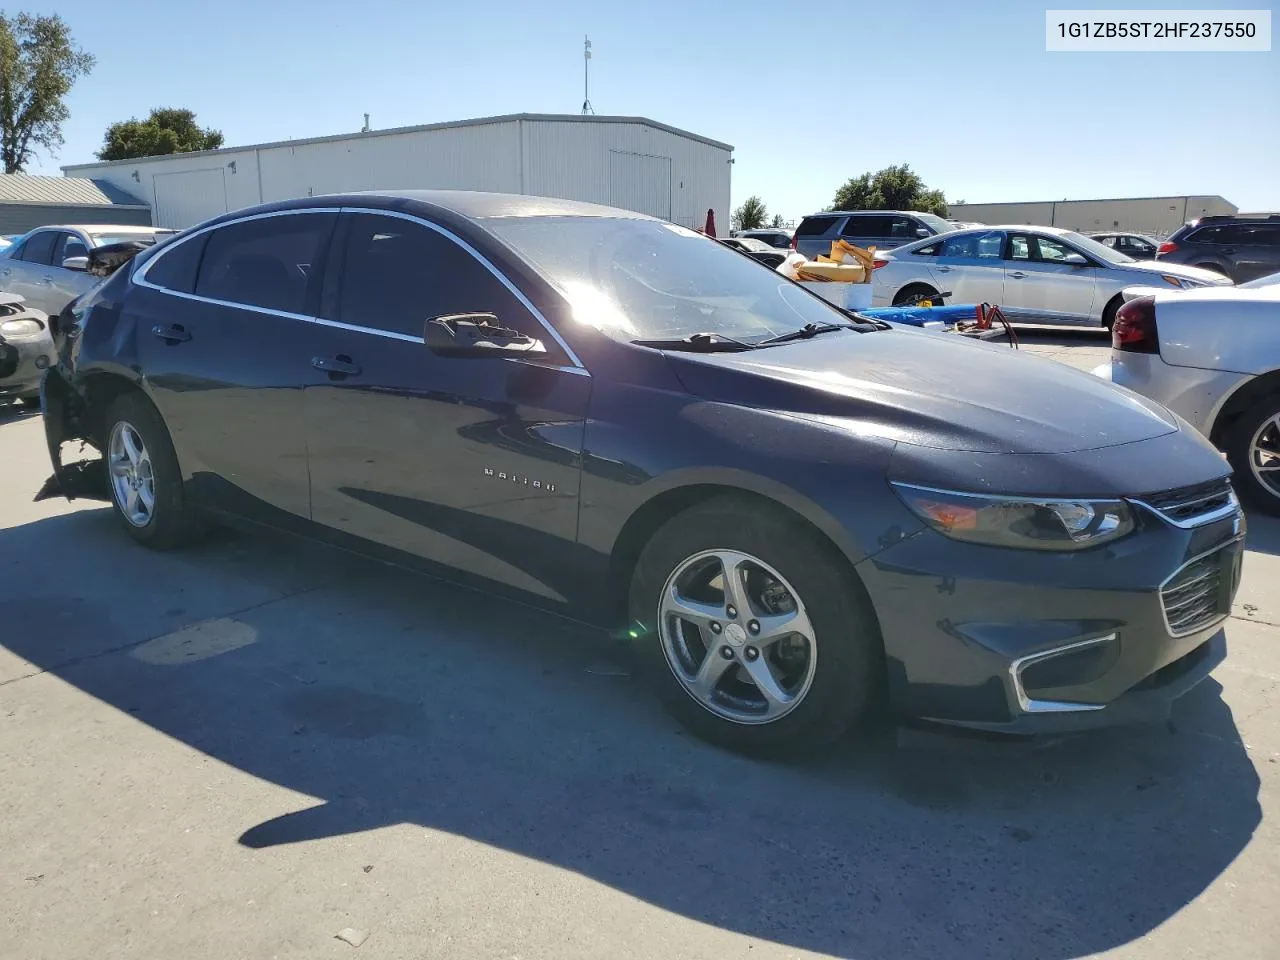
{"x": 1034, "y": 274}
{"x": 1212, "y": 356}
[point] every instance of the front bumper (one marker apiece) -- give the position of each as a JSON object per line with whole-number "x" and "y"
{"x": 23, "y": 361}
{"x": 1024, "y": 642}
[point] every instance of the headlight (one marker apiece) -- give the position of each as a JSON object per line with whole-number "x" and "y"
{"x": 20, "y": 328}
{"x": 1183, "y": 283}
{"x": 1019, "y": 522}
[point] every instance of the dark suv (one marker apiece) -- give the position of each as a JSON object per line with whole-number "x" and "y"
{"x": 1242, "y": 248}
{"x": 882, "y": 229}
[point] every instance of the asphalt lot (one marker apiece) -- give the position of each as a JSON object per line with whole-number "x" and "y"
{"x": 241, "y": 749}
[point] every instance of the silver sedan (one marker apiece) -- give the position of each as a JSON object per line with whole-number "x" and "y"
{"x": 1034, "y": 274}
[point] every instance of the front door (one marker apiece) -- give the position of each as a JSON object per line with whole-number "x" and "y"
{"x": 970, "y": 268}
{"x": 227, "y": 355}
{"x": 1041, "y": 285}
{"x": 28, "y": 271}
{"x": 469, "y": 463}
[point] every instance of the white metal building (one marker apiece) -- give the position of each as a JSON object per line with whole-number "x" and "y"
{"x": 1155, "y": 216}
{"x": 627, "y": 162}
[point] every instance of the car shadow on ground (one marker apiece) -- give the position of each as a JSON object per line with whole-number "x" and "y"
{"x": 393, "y": 699}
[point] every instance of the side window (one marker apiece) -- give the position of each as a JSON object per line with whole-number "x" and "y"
{"x": 71, "y": 246}
{"x": 397, "y": 274}
{"x": 266, "y": 262}
{"x": 903, "y": 228}
{"x": 974, "y": 246}
{"x": 39, "y": 247}
{"x": 1019, "y": 247}
{"x": 1267, "y": 236}
{"x": 814, "y": 226}
{"x": 1051, "y": 251}
{"x": 930, "y": 250}
{"x": 1207, "y": 235}
{"x": 1117, "y": 242}
{"x": 175, "y": 268}
{"x": 15, "y": 252}
{"x": 867, "y": 226}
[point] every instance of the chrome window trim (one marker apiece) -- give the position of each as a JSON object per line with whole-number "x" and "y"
{"x": 1164, "y": 615}
{"x": 1029, "y": 705}
{"x": 140, "y": 278}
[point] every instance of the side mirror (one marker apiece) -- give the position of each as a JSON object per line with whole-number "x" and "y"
{"x": 76, "y": 263}
{"x": 477, "y": 335}
{"x": 1075, "y": 260}
{"x": 921, "y": 232}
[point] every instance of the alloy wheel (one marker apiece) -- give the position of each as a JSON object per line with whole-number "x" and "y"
{"x": 1264, "y": 455}
{"x": 737, "y": 636}
{"x": 132, "y": 475}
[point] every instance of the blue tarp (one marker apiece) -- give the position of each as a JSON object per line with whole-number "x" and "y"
{"x": 919, "y": 316}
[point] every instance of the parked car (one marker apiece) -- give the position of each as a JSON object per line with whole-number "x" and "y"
{"x": 1241, "y": 248}
{"x": 1034, "y": 274}
{"x": 26, "y": 350}
{"x": 48, "y": 266}
{"x": 1213, "y": 357}
{"x": 773, "y": 236}
{"x": 882, "y": 229}
{"x": 1133, "y": 245}
{"x": 757, "y": 249}
{"x": 786, "y": 510}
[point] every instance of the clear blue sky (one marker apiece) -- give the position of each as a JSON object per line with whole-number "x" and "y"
{"x": 808, "y": 94}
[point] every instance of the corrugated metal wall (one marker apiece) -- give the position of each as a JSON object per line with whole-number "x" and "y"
{"x": 21, "y": 217}
{"x": 1156, "y": 216}
{"x": 632, "y": 165}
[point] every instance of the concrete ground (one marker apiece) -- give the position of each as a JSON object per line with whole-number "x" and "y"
{"x": 242, "y": 749}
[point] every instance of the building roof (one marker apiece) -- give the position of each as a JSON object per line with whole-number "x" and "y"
{"x": 393, "y": 131}
{"x": 29, "y": 188}
{"x": 1016, "y": 203}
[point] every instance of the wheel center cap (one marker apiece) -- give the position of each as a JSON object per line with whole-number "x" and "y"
{"x": 735, "y": 634}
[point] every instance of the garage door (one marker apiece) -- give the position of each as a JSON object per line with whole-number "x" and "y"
{"x": 189, "y": 197}
{"x": 641, "y": 183}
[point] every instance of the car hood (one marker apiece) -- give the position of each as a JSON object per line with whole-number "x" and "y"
{"x": 930, "y": 390}
{"x": 1146, "y": 267}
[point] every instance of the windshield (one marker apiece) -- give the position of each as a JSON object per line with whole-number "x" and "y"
{"x": 1096, "y": 249}
{"x": 649, "y": 280}
{"x": 1270, "y": 280}
{"x": 942, "y": 226}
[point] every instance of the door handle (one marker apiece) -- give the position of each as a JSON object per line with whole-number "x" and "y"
{"x": 48, "y": 280}
{"x": 340, "y": 365}
{"x": 173, "y": 334}
{"x": 1017, "y": 275}
{"x": 1229, "y": 250}
{"x": 944, "y": 269}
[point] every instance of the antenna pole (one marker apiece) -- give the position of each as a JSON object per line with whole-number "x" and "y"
{"x": 586, "y": 76}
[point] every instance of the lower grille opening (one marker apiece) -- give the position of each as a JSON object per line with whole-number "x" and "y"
{"x": 1196, "y": 596}
{"x": 1069, "y": 669}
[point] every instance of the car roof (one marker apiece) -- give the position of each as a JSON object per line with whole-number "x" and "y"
{"x": 478, "y": 205}
{"x": 100, "y": 227}
{"x": 846, "y": 213}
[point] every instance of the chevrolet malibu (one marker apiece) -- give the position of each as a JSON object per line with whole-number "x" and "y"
{"x": 791, "y": 513}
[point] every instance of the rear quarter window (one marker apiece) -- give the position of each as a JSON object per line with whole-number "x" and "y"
{"x": 815, "y": 226}
{"x": 869, "y": 226}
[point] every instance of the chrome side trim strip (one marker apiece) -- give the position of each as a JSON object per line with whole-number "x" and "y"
{"x": 1029, "y": 705}
{"x": 140, "y": 278}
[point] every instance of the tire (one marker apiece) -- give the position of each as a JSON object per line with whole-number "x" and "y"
{"x": 1110, "y": 310}
{"x": 168, "y": 522}
{"x": 1259, "y": 424}
{"x": 833, "y": 690}
{"x": 910, "y": 290}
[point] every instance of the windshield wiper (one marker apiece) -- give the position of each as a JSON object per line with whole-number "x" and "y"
{"x": 699, "y": 343}
{"x": 805, "y": 332}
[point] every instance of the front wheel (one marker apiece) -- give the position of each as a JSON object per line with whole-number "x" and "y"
{"x": 146, "y": 482}
{"x": 758, "y": 635}
{"x": 1253, "y": 450}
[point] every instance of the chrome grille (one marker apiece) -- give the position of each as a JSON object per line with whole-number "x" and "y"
{"x": 1193, "y": 597}
{"x": 1189, "y": 506}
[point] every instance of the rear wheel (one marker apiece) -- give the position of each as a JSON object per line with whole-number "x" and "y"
{"x": 1109, "y": 312}
{"x": 904, "y": 296}
{"x": 1253, "y": 449}
{"x": 146, "y": 482}
{"x": 759, "y": 637}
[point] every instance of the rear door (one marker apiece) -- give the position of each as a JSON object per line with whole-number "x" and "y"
{"x": 29, "y": 272}
{"x": 470, "y": 463}
{"x": 226, "y": 324}
{"x": 971, "y": 267}
{"x": 1041, "y": 287}
{"x": 869, "y": 230}
{"x": 1253, "y": 250}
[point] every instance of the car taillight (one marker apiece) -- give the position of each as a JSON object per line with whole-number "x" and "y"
{"x": 794, "y": 238}
{"x": 877, "y": 263}
{"x": 1167, "y": 247}
{"x": 1134, "y": 330}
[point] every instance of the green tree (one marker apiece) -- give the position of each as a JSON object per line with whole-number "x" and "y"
{"x": 167, "y": 130}
{"x": 893, "y": 188}
{"x": 776, "y": 222}
{"x": 751, "y": 215}
{"x": 39, "y": 63}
